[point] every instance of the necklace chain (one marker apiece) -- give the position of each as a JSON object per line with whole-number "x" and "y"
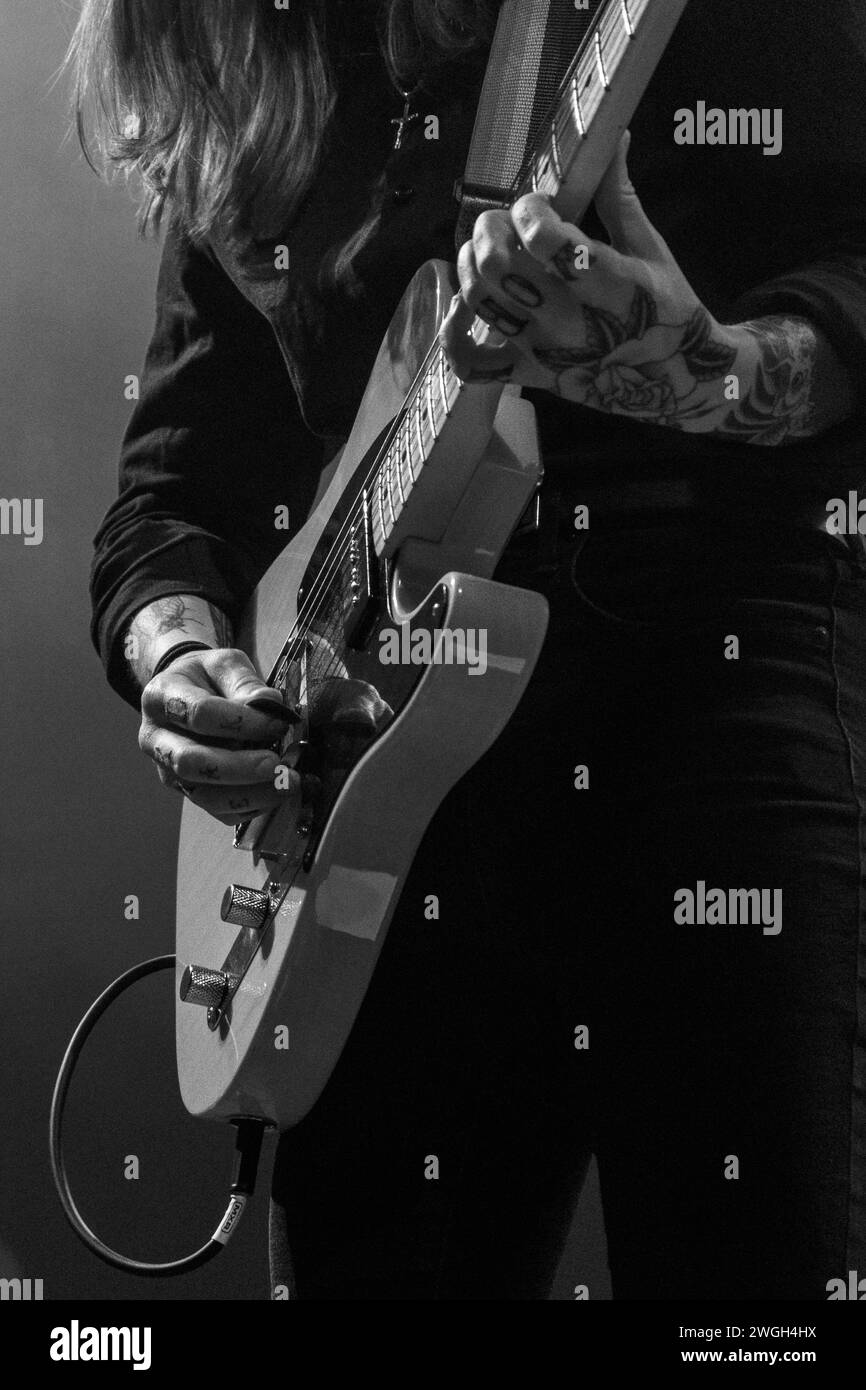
{"x": 408, "y": 117}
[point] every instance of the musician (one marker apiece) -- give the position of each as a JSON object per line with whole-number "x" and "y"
{"x": 697, "y": 720}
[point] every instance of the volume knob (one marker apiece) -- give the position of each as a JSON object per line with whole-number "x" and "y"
{"x": 245, "y": 907}
{"x": 200, "y": 985}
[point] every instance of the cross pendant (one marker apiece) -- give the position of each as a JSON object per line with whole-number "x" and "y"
{"x": 401, "y": 122}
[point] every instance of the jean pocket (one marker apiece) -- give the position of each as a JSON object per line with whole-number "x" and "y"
{"x": 779, "y": 628}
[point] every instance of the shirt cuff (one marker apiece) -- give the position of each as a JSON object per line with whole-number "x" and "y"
{"x": 190, "y": 565}
{"x": 832, "y": 296}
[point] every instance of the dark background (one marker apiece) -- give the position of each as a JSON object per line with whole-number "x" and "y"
{"x": 84, "y": 821}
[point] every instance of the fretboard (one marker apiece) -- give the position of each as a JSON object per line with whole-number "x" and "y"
{"x": 596, "y": 99}
{"x": 592, "y": 74}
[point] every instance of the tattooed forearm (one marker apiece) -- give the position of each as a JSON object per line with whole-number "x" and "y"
{"x": 175, "y": 618}
{"x": 779, "y": 402}
{"x": 168, "y": 615}
{"x": 768, "y": 381}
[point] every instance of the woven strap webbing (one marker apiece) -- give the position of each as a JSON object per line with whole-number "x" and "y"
{"x": 534, "y": 43}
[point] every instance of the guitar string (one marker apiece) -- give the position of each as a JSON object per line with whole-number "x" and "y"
{"x": 341, "y": 543}
{"x": 323, "y": 593}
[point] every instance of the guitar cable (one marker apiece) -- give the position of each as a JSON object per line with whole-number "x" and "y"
{"x": 248, "y": 1145}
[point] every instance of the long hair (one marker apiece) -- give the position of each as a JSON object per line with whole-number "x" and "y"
{"x": 222, "y": 106}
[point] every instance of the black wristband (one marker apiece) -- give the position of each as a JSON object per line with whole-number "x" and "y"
{"x": 179, "y": 649}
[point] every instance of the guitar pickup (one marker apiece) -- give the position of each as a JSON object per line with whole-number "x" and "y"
{"x": 361, "y": 580}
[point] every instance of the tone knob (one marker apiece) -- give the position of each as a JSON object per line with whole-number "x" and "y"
{"x": 200, "y": 985}
{"x": 245, "y": 907}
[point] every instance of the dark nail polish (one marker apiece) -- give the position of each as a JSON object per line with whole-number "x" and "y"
{"x": 274, "y": 710}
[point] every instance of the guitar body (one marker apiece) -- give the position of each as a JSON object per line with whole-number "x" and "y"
{"x": 297, "y": 984}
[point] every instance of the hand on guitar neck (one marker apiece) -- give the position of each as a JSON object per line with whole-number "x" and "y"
{"x": 211, "y": 724}
{"x": 617, "y": 327}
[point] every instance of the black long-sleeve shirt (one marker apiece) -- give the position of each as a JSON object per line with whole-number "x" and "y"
{"x": 241, "y": 392}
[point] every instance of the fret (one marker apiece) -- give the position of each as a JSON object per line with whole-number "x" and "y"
{"x": 599, "y": 57}
{"x": 419, "y": 429}
{"x": 576, "y": 108}
{"x": 398, "y": 467}
{"x": 406, "y": 464}
{"x": 410, "y": 473}
{"x": 554, "y": 149}
{"x": 388, "y": 493}
{"x": 626, "y": 18}
{"x": 410, "y": 443}
{"x": 381, "y": 496}
{"x": 400, "y": 481}
{"x": 431, "y": 408}
{"x": 443, "y": 382}
{"x": 376, "y": 513}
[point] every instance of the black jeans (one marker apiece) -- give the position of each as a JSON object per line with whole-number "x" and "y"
{"x": 720, "y": 1078}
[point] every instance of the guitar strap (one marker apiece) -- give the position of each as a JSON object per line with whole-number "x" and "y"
{"x": 534, "y": 43}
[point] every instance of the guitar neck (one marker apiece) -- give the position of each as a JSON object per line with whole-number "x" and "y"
{"x": 596, "y": 101}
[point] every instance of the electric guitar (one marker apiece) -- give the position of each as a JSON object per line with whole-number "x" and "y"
{"x": 279, "y": 927}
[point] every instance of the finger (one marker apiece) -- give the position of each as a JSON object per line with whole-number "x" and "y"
{"x": 498, "y": 258}
{"x": 493, "y": 242}
{"x": 353, "y": 705}
{"x": 621, "y": 211}
{"x": 554, "y": 243}
{"x": 235, "y": 677}
{"x": 476, "y": 291}
{"x": 178, "y": 699}
{"x": 470, "y": 360}
{"x": 184, "y": 758}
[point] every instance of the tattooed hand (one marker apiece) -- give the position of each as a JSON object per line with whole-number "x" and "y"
{"x": 618, "y": 327}
{"x": 210, "y": 724}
